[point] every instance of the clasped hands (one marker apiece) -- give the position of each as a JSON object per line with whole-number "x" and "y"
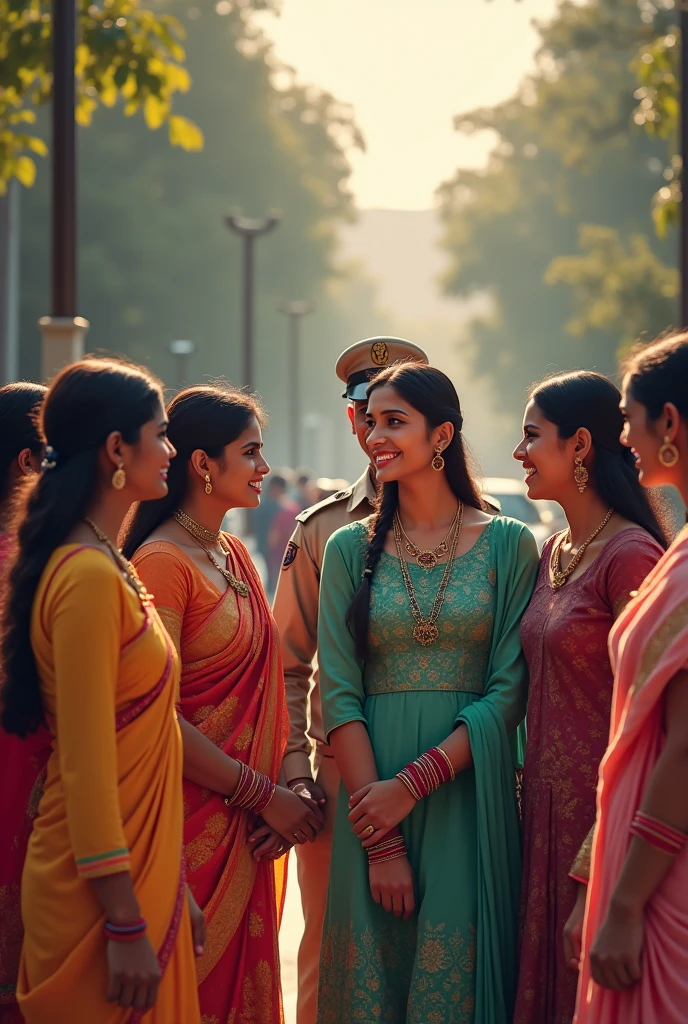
{"x": 294, "y": 815}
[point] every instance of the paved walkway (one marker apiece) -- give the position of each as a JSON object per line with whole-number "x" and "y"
{"x": 290, "y": 936}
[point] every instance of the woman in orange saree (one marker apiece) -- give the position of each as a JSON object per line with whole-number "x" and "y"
{"x": 635, "y": 940}
{"x": 231, "y": 699}
{"x": 106, "y": 914}
{"x": 22, "y": 761}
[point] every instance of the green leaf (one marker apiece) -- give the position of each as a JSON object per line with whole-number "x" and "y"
{"x": 185, "y": 133}
{"x": 25, "y": 171}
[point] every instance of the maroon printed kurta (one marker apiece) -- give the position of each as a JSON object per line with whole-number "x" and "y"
{"x": 564, "y": 635}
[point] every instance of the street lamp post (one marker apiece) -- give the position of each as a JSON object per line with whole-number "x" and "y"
{"x": 63, "y": 332}
{"x": 249, "y": 229}
{"x": 683, "y": 240}
{"x": 182, "y": 351}
{"x": 295, "y": 312}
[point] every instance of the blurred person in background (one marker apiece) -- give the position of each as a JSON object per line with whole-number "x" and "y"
{"x": 571, "y": 454}
{"x": 22, "y": 761}
{"x": 107, "y": 917}
{"x": 231, "y": 704}
{"x": 296, "y": 613}
{"x": 634, "y": 964}
{"x": 304, "y": 489}
{"x": 424, "y": 688}
{"x": 281, "y": 527}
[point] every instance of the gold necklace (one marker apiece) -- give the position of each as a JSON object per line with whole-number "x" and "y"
{"x": 128, "y": 571}
{"x": 559, "y": 576}
{"x": 425, "y": 631}
{"x": 428, "y": 558}
{"x": 197, "y": 531}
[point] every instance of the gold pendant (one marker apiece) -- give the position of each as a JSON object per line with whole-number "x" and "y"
{"x": 425, "y": 633}
{"x": 426, "y": 559}
{"x": 559, "y": 579}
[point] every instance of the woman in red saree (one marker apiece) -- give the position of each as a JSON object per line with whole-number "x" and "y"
{"x": 231, "y": 702}
{"x": 634, "y": 965}
{"x": 22, "y": 761}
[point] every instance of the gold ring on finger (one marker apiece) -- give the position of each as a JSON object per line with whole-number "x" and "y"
{"x": 369, "y": 830}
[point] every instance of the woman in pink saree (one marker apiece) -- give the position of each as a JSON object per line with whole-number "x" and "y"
{"x": 634, "y": 966}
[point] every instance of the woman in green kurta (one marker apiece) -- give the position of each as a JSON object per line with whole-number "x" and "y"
{"x": 429, "y": 937}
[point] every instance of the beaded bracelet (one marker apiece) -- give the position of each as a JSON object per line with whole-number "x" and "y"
{"x": 390, "y": 847}
{"x": 663, "y": 837}
{"x": 125, "y": 932}
{"x": 254, "y": 791}
{"x": 427, "y": 773}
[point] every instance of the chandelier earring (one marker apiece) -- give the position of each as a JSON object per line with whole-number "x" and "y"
{"x": 208, "y": 485}
{"x": 668, "y": 453}
{"x": 438, "y": 462}
{"x": 119, "y": 477}
{"x": 580, "y": 474}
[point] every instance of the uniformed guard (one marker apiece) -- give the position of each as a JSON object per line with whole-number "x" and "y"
{"x": 296, "y": 612}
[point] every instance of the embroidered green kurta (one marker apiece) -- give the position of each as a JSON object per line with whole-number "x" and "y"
{"x": 455, "y": 961}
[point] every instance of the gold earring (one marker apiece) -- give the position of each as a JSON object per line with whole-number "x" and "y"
{"x": 668, "y": 453}
{"x": 208, "y": 485}
{"x": 119, "y": 477}
{"x": 580, "y": 474}
{"x": 438, "y": 462}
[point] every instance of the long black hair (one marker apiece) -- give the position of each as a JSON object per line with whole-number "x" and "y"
{"x": 586, "y": 399}
{"x": 18, "y": 429}
{"x": 658, "y": 373}
{"x": 431, "y": 393}
{"x": 86, "y": 402}
{"x": 206, "y": 417}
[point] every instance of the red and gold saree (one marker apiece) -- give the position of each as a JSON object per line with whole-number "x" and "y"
{"x": 232, "y": 690}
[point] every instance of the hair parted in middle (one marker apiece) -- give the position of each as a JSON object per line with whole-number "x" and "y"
{"x": 431, "y": 393}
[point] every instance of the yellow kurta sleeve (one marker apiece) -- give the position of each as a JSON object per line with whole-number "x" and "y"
{"x": 84, "y": 622}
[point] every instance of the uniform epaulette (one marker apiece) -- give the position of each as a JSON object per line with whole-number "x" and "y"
{"x": 333, "y": 499}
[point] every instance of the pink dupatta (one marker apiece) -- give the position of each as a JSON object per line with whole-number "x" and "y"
{"x": 648, "y": 646}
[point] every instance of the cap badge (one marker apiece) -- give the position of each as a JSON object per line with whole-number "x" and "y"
{"x": 379, "y": 353}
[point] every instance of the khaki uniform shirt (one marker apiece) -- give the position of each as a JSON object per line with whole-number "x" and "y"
{"x": 296, "y": 611}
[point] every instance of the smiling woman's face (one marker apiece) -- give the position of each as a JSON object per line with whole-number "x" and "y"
{"x": 548, "y": 460}
{"x": 399, "y": 441}
{"x": 640, "y": 435}
{"x": 237, "y": 477}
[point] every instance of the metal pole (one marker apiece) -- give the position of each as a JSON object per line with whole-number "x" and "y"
{"x": 9, "y": 283}
{"x": 249, "y": 230}
{"x": 295, "y": 312}
{"x": 64, "y": 161}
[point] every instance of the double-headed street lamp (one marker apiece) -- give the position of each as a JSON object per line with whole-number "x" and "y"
{"x": 295, "y": 311}
{"x": 249, "y": 229}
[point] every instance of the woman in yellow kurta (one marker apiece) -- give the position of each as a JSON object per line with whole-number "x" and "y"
{"x": 108, "y": 933}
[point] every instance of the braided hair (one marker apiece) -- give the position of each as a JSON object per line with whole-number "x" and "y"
{"x": 431, "y": 393}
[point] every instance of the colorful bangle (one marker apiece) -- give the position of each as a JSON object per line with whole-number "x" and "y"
{"x": 254, "y": 791}
{"x": 427, "y": 773}
{"x": 125, "y": 932}
{"x": 390, "y": 847}
{"x": 663, "y": 837}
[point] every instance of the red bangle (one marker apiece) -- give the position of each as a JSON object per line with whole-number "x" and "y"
{"x": 663, "y": 837}
{"x": 389, "y": 847}
{"x": 254, "y": 791}
{"x": 427, "y": 773}
{"x": 125, "y": 932}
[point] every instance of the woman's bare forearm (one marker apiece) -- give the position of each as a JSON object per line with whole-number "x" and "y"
{"x": 457, "y": 747}
{"x": 205, "y": 764}
{"x": 353, "y": 753}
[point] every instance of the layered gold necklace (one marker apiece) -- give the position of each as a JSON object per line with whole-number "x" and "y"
{"x": 429, "y": 557}
{"x": 204, "y": 537}
{"x": 559, "y": 576}
{"x": 425, "y": 631}
{"x": 128, "y": 570}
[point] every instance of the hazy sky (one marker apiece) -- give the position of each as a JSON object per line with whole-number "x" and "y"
{"x": 407, "y": 67}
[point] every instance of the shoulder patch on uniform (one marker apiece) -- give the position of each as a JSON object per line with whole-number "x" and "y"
{"x": 333, "y": 499}
{"x": 290, "y": 554}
